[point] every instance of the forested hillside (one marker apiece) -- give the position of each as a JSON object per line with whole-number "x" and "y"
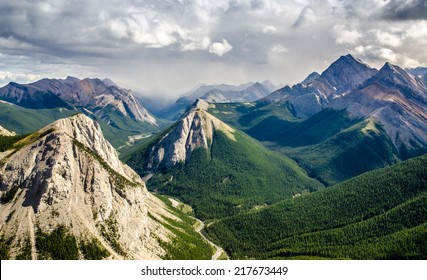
{"x": 232, "y": 177}
{"x": 378, "y": 215}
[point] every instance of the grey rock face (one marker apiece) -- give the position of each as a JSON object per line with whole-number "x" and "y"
{"x": 68, "y": 174}
{"x": 194, "y": 130}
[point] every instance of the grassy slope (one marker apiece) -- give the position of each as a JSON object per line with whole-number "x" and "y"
{"x": 378, "y": 215}
{"x": 292, "y": 133}
{"x": 23, "y": 121}
{"x": 231, "y": 178}
{"x": 362, "y": 147}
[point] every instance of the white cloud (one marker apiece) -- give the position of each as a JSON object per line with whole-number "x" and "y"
{"x": 377, "y": 51}
{"x": 418, "y": 31}
{"x": 409, "y": 62}
{"x": 386, "y": 54}
{"x": 152, "y": 32}
{"x": 388, "y": 39}
{"x": 55, "y": 37}
{"x": 269, "y": 29}
{"x": 220, "y": 48}
{"x": 192, "y": 44}
{"x": 346, "y": 36}
{"x": 279, "y": 49}
{"x": 6, "y": 77}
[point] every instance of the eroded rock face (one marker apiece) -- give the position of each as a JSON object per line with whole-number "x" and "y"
{"x": 68, "y": 174}
{"x": 5, "y": 132}
{"x": 194, "y": 130}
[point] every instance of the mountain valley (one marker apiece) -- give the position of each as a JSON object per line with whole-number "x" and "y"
{"x": 333, "y": 167}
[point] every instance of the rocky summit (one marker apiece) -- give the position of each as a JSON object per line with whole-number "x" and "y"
{"x": 67, "y": 176}
{"x": 194, "y": 130}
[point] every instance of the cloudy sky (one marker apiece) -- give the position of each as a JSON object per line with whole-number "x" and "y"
{"x": 166, "y": 47}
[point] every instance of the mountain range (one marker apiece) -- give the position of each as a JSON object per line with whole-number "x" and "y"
{"x": 333, "y": 167}
{"x": 358, "y": 118}
{"x": 92, "y": 94}
{"x": 28, "y": 107}
{"x": 222, "y": 93}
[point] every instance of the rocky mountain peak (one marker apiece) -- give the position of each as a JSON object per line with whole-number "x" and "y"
{"x": 194, "y": 130}
{"x": 395, "y": 78}
{"x": 68, "y": 175}
{"x": 200, "y": 104}
{"x": 389, "y": 70}
{"x": 310, "y": 78}
{"x": 344, "y": 74}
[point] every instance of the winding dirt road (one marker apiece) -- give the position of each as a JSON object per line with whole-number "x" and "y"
{"x": 219, "y": 251}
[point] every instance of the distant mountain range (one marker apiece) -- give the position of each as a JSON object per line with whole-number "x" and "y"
{"x": 223, "y": 93}
{"x": 94, "y": 95}
{"x": 25, "y": 108}
{"x": 391, "y": 96}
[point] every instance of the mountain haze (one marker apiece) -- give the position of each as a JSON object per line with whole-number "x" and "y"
{"x": 223, "y": 93}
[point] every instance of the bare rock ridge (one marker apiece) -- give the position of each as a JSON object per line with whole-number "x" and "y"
{"x": 68, "y": 174}
{"x": 91, "y": 94}
{"x": 5, "y": 132}
{"x": 194, "y": 130}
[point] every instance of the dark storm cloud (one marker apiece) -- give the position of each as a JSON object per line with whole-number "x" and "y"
{"x": 405, "y": 10}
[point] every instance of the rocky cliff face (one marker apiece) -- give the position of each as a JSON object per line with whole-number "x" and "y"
{"x": 92, "y": 94}
{"x": 68, "y": 175}
{"x": 345, "y": 74}
{"x": 194, "y": 130}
